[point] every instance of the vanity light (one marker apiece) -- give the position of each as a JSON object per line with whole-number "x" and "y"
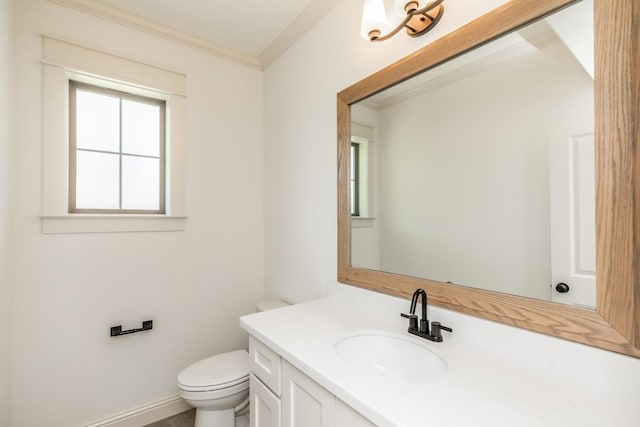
{"x": 406, "y": 14}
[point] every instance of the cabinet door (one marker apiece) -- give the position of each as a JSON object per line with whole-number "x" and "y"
{"x": 264, "y": 409}
{"x": 304, "y": 402}
{"x": 346, "y": 416}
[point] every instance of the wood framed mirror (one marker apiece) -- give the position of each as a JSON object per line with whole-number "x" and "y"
{"x": 615, "y": 323}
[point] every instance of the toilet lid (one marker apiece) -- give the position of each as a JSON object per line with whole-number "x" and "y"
{"x": 219, "y": 371}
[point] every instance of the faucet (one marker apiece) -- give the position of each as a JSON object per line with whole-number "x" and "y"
{"x": 423, "y": 330}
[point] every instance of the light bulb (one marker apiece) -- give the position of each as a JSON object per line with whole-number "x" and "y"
{"x": 374, "y": 17}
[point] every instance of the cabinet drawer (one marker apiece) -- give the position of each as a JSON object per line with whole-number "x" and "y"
{"x": 265, "y": 410}
{"x": 265, "y": 364}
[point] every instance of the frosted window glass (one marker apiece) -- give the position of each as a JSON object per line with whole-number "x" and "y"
{"x": 140, "y": 183}
{"x": 97, "y": 121}
{"x": 140, "y": 128}
{"x": 97, "y": 180}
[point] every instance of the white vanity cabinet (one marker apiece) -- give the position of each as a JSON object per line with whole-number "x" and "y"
{"x": 283, "y": 396}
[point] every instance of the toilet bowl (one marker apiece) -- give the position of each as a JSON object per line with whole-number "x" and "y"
{"x": 218, "y": 386}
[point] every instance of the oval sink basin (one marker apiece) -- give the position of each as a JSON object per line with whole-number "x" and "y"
{"x": 391, "y": 355}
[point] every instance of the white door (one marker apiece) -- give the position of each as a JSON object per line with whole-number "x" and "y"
{"x": 572, "y": 205}
{"x": 305, "y": 403}
{"x": 264, "y": 408}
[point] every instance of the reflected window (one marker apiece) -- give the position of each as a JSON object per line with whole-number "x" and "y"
{"x": 355, "y": 179}
{"x": 359, "y": 177}
{"x": 117, "y": 151}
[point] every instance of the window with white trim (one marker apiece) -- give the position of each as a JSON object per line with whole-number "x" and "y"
{"x": 116, "y": 151}
{"x": 138, "y": 185}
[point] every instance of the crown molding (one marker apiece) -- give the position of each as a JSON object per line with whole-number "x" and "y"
{"x": 294, "y": 31}
{"x": 140, "y": 23}
{"x": 309, "y": 16}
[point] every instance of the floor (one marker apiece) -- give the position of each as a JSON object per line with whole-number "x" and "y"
{"x": 187, "y": 419}
{"x": 184, "y": 419}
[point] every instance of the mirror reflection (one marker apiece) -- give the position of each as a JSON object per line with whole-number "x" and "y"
{"x": 480, "y": 172}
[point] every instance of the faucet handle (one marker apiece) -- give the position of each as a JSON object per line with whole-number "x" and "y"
{"x": 413, "y": 320}
{"x": 436, "y": 328}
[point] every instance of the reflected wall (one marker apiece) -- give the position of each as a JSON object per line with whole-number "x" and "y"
{"x": 460, "y": 167}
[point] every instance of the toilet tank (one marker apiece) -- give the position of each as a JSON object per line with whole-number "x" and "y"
{"x": 270, "y": 304}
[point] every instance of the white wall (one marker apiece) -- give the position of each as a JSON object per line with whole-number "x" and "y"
{"x": 465, "y": 174}
{"x": 69, "y": 289}
{"x": 300, "y": 140}
{"x": 5, "y": 288}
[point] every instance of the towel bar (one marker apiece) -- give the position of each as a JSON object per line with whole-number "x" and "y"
{"x": 117, "y": 330}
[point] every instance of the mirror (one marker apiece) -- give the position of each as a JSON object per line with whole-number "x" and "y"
{"x": 615, "y": 323}
{"x": 480, "y": 171}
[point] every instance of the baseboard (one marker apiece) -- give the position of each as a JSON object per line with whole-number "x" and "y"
{"x": 146, "y": 414}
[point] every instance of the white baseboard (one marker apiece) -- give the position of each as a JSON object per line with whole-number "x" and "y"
{"x": 146, "y": 414}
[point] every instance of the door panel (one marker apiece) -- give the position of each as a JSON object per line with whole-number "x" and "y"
{"x": 572, "y": 202}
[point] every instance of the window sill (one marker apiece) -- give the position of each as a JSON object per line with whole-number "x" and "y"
{"x": 91, "y": 223}
{"x": 362, "y": 222}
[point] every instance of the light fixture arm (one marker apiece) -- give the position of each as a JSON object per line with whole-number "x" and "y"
{"x": 414, "y": 22}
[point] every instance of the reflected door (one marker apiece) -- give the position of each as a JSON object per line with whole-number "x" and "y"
{"x": 572, "y": 203}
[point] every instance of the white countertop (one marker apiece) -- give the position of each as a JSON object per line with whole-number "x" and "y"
{"x": 487, "y": 383}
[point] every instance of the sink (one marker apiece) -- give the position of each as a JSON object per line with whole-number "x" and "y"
{"x": 391, "y": 355}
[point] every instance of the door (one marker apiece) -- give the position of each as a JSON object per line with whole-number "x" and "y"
{"x": 264, "y": 408}
{"x": 572, "y": 220}
{"x": 304, "y": 402}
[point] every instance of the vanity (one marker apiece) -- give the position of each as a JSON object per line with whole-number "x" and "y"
{"x": 299, "y": 379}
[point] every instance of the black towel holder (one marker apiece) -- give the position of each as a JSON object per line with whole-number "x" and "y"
{"x": 117, "y": 330}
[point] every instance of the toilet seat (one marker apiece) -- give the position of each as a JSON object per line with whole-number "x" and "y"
{"x": 212, "y": 395}
{"x": 226, "y": 372}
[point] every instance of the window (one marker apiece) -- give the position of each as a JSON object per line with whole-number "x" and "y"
{"x": 355, "y": 179}
{"x": 359, "y": 177}
{"x": 134, "y": 183}
{"x": 116, "y": 144}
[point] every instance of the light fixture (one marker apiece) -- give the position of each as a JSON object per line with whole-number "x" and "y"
{"x": 407, "y": 14}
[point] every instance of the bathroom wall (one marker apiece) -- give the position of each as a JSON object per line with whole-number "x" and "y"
{"x": 70, "y": 288}
{"x": 5, "y": 277}
{"x": 300, "y": 139}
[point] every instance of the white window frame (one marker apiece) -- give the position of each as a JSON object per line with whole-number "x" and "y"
{"x": 65, "y": 61}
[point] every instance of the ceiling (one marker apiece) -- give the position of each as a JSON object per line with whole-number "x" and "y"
{"x": 246, "y": 31}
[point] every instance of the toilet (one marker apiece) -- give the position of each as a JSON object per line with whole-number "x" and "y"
{"x": 218, "y": 386}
